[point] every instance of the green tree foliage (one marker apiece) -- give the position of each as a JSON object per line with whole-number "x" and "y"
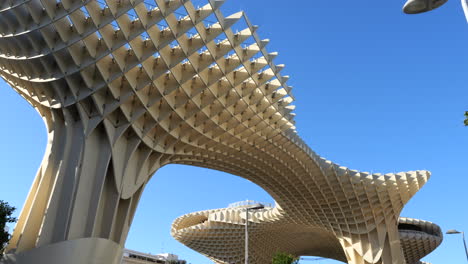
{"x": 5, "y": 217}
{"x": 284, "y": 258}
{"x": 466, "y": 118}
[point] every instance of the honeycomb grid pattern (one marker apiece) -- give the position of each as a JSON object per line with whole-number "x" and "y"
{"x": 220, "y": 235}
{"x": 418, "y": 243}
{"x": 128, "y": 86}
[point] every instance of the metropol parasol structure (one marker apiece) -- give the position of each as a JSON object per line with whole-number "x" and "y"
{"x": 128, "y": 86}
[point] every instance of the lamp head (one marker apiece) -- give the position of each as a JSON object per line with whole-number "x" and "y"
{"x": 421, "y": 6}
{"x": 452, "y": 231}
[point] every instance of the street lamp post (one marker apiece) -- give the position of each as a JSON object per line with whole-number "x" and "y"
{"x": 452, "y": 232}
{"x": 253, "y": 207}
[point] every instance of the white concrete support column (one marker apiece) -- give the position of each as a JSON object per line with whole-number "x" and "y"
{"x": 85, "y": 194}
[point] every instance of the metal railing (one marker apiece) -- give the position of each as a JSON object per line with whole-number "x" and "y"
{"x": 248, "y": 203}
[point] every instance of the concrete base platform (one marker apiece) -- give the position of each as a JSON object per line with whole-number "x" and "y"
{"x": 80, "y": 251}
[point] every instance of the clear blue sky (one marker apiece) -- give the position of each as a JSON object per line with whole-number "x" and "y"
{"x": 376, "y": 90}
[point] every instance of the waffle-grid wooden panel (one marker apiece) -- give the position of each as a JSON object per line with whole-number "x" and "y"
{"x": 220, "y": 235}
{"x": 127, "y": 86}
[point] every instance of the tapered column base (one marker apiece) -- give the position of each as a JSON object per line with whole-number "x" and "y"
{"x": 79, "y": 251}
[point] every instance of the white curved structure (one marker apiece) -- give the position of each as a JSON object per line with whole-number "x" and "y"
{"x": 219, "y": 235}
{"x": 128, "y": 86}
